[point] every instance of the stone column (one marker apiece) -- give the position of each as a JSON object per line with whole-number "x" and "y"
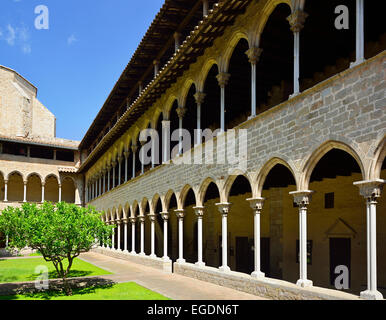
{"x": 140, "y": 87}
{"x": 302, "y": 199}
{"x": 205, "y": 7}
{"x": 113, "y": 238}
{"x": 104, "y": 181}
{"x": 114, "y": 164}
{"x": 25, "y": 191}
{"x": 134, "y": 151}
{"x": 199, "y": 97}
{"x": 125, "y": 235}
{"x": 165, "y": 140}
{"x": 43, "y": 192}
{"x": 371, "y": 190}
{"x": 296, "y": 20}
{"x": 132, "y": 221}
{"x": 253, "y": 56}
{"x": 5, "y": 190}
{"x": 223, "y": 79}
{"x": 152, "y": 218}
{"x": 60, "y": 192}
{"x": 142, "y": 221}
{"x": 360, "y": 35}
{"x": 165, "y": 217}
{"x": 108, "y": 178}
{"x": 181, "y": 111}
{"x": 86, "y": 194}
{"x": 257, "y": 205}
{"x": 180, "y": 216}
{"x": 119, "y": 170}
{"x": 126, "y": 154}
{"x": 119, "y": 235}
{"x": 224, "y": 210}
{"x": 199, "y": 211}
{"x": 177, "y": 40}
{"x": 100, "y": 183}
{"x": 156, "y": 67}
{"x": 142, "y": 157}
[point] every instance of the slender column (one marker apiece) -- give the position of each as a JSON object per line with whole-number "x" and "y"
{"x": 142, "y": 221}
{"x": 119, "y": 235}
{"x": 371, "y": 190}
{"x": 296, "y": 20}
{"x": 126, "y": 154}
{"x": 100, "y": 184}
{"x": 140, "y": 87}
{"x": 199, "y": 211}
{"x": 205, "y": 7}
{"x": 165, "y": 140}
{"x": 132, "y": 221}
{"x": 177, "y": 39}
{"x": 223, "y": 79}
{"x": 156, "y": 67}
{"x": 113, "y": 237}
{"x": 114, "y": 165}
{"x": 60, "y": 192}
{"x": 108, "y": 178}
{"x": 165, "y": 217}
{"x": 257, "y": 205}
{"x": 5, "y": 190}
{"x": 303, "y": 198}
{"x": 152, "y": 218}
{"x": 86, "y": 194}
{"x": 142, "y": 157}
{"x": 360, "y": 35}
{"x": 119, "y": 170}
{"x": 253, "y": 56}
{"x": 25, "y": 191}
{"x": 43, "y": 192}
{"x": 104, "y": 181}
{"x": 134, "y": 151}
{"x": 224, "y": 210}
{"x": 180, "y": 216}
{"x": 199, "y": 97}
{"x": 181, "y": 111}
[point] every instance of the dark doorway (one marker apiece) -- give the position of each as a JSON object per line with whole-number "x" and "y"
{"x": 244, "y": 263}
{"x": 340, "y": 255}
{"x": 265, "y": 256}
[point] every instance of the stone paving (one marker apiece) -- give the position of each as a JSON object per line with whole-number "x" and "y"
{"x": 172, "y": 286}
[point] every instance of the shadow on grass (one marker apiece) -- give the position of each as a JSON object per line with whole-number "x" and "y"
{"x": 54, "y": 275}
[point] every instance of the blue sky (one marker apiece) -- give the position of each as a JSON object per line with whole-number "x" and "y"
{"x": 76, "y": 62}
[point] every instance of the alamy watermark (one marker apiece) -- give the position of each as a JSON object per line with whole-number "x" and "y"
{"x": 41, "y": 281}
{"x": 42, "y": 21}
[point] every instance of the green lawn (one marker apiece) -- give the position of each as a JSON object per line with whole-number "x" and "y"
{"x": 121, "y": 291}
{"x": 21, "y": 270}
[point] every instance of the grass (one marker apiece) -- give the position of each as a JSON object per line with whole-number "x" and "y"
{"x": 22, "y": 270}
{"x": 121, "y": 291}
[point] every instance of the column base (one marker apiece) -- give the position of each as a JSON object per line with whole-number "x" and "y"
{"x": 258, "y": 274}
{"x": 125, "y": 251}
{"x": 133, "y": 253}
{"x": 200, "y": 264}
{"x": 181, "y": 261}
{"x": 142, "y": 254}
{"x": 294, "y": 95}
{"x": 304, "y": 283}
{"x": 371, "y": 295}
{"x": 224, "y": 269}
{"x": 166, "y": 259}
{"x": 252, "y": 117}
{"x": 354, "y": 64}
{"x": 153, "y": 256}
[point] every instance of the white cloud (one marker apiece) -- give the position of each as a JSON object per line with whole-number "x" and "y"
{"x": 18, "y": 36}
{"x": 71, "y": 39}
{"x": 11, "y": 35}
{"x": 26, "y": 49}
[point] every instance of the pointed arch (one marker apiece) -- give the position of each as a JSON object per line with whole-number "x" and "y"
{"x": 203, "y": 188}
{"x": 230, "y": 181}
{"x": 230, "y": 48}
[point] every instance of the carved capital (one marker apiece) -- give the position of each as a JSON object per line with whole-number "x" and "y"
{"x": 126, "y": 154}
{"x": 297, "y": 20}
{"x": 134, "y": 148}
{"x": 199, "y": 97}
{"x": 370, "y": 189}
{"x": 256, "y": 204}
{"x": 199, "y": 211}
{"x": 254, "y": 55}
{"x": 223, "y": 79}
{"x": 141, "y": 219}
{"x": 302, "y": 198}
{"x": 113, "y": 164}
{"x": 224, "y": 207}
{"x": 165, "y": 215}
{"x": 180, "y": 213}
{"x": 181, "y": 111}
{"x": 132, "y": 220}
{"x": 152, "y": 217}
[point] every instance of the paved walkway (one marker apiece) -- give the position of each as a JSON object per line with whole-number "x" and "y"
{"x": 173, "y": 286}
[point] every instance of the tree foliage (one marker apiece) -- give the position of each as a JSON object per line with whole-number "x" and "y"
{"x": 59, "y": 231}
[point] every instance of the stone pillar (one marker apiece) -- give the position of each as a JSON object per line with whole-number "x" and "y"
{"x": 25, "y": 191}
{"x": 199, "y": 97}
{"x": 140, "y": 87}
{"x": 113, "y": 238}
{"x": 360, "y": 35}
{"x": 205, "y": 7}
{"x": 253, "y": 56}
{"x": 60, "y": 192}
{"x": 142, "y": 221}
{"x": 125, "y": 235}
{"x": 177, "y": 40}
{"x": 371, "y": 190}
{"x": 224, "y": 210}
{"x": 134, "y": 151}
{"x": 180, "y": 216}
{"x": 257, "y": 205}
{"x": 5, "y": 190}
{"x": 152, "y": 218}
{"x": 100, "y": 183}
{"x": 296, "y": 20}
{"x": 165, "y": 140}
{"x": 302, "y": 199}
{"x": 86, "y": 194}
{"x": 43, "y": 192}
{"x": 132, "y": 221}
{"x": 108, "y": 178}
{"x": 223, "y": 79}
{"x": 104, "y": 181}
{"x": 142, "y": 157}
{"x": 114, "y": 164}
{"x": 156, "y": 67}
{"x": 119, "y": 235}
{"x": 126, "y": 154}
{"x": 165, "y": 217}
{"x": 199, "y": 211}
{"x": 119, "y": 170}
{"x": 181, "y": 111}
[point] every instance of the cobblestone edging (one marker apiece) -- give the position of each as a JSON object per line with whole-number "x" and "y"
{"x": 266, "y": 287}
{"x": 157, "y": 263}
